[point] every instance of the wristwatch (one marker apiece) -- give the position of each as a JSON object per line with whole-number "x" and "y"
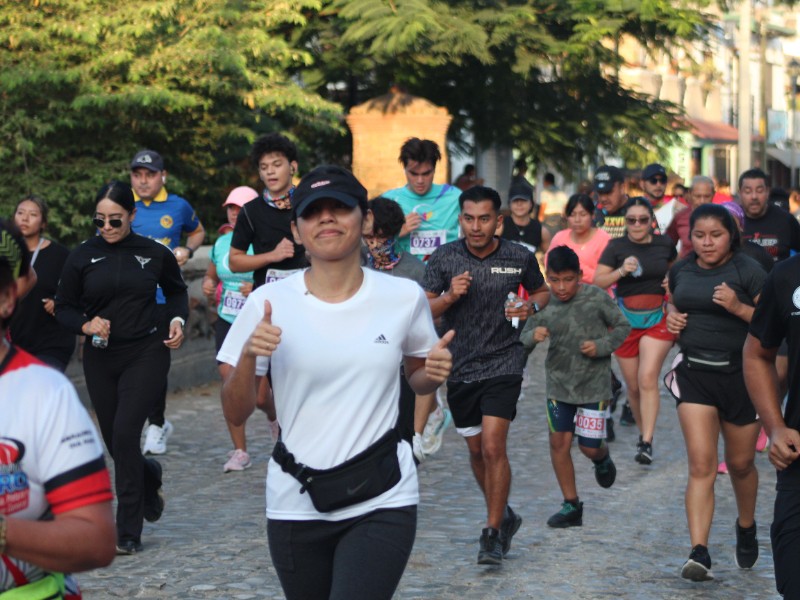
{"x": 191, "y": 252}
{"x": 535, "y": 307}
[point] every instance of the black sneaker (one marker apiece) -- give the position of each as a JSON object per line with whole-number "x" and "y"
{"x": 153, "y": 498}
{"x": 570, "y": 515}
{"x": 698, "y": 567}
{"x": 626, "y": 418}
{"x": 610, "y": 435}
{"x": 491, "y": 552}
{"x": 129, "y": 547}
{"x": 644, "y": 452}
{"x": 605, "y": 472}
{"x": 746, "y": 546}
{"x": 508, "y": 528}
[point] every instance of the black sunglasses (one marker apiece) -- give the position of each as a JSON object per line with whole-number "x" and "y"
{"x": 100, "y": 223}
{"x": 657, "y": 180}
{"x": 635, "y": 220}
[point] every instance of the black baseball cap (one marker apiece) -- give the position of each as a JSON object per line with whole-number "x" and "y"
{"x": 520, "y": 192}
{"x": 148, "y": 159}
{"x": 328, "y": 181}
{"x": 605, "y": 178}
{"x": 653, "y": 170}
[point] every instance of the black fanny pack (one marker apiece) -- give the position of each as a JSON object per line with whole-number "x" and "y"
{"x": 367, "y": 475}
{"x": 712, "y": 360}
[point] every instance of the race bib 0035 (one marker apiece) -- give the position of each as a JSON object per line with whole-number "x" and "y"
{"x": 590, "y": 423}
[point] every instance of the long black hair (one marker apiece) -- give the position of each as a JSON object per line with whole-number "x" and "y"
{"x": 721, "y": 214}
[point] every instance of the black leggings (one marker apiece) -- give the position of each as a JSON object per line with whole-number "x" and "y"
{"x": 124, "y": 381}
{"x": 356, "y": 559}
{"x": 156, "y": 416}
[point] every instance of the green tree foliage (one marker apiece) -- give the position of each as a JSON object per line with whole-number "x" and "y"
{"x": 84, "y": 84}
{"x": 536, "y": 74}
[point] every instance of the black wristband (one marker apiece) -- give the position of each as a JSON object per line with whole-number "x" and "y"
{"x": 191, "y": 252}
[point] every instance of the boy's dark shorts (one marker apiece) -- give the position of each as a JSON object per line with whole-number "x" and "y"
{"x": 470, "y": 401}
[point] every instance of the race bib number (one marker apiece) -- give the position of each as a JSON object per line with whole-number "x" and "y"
{"x": 590, "y": 423}
{"x": 274, "y": 275}
{"x": 232, "y": 303}
{"x": 425, "y": 242}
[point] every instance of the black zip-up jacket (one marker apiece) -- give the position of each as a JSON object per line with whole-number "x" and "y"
{"x": 118, "y": 282}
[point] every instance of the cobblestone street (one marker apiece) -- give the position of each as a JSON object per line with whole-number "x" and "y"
{"x": 211, "y": 541}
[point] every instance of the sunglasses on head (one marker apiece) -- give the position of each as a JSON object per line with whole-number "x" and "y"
{"x": 657, "y": 180}
{"x": 100, "y": 223}
{"x": 635, "y": 220}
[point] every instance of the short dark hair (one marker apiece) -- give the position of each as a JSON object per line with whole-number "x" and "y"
{"x": 549, "y": 178}
{"x": 273, "y": 142}
{"x": 119, "y": 193}
{"x": 583, "y": 200}
{"x": 639, "y": 201}
{"x": 563, "y": 258}
{"x": 387, "y": 217}
{"x": 754, "y": 174}
{"x": 420, "y": 151}
{"x": 40, "y": 203}
{"x": 479, "y": 193}
{"x": 721, "y": 214}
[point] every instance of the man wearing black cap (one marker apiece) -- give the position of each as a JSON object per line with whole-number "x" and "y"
{"x": 609, "y": 184}
{"x": 163, "y": 217}
{"x": 654, "y": 184}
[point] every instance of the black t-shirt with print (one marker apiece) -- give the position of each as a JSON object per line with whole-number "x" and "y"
{"x": 708, "y": 325}
{"x": 777, "y": 232}
{"x": 777, "y": 317}
{"x": 264, "y": 227}
{"x": 654, "y": 258}
{"x": 486, "y": 345}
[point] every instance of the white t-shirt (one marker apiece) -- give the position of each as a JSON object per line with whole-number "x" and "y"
{"x": 336, "y": 379}
{"x": 51, "y": 460}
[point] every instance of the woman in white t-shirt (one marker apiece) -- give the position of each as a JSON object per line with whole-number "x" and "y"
{"x": 332, "y": 338}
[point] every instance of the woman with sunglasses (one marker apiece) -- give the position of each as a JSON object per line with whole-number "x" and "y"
{"x": 713, "y": 294}
{"x": 107, "y": 292}
{"x": 637, "y": 263}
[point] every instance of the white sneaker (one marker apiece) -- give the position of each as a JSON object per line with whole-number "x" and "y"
{"x": 238, "y": 460}
{"x": 155, "y": 440}
{"x": 433, "y": 434}
{"x": 416, "y": 446}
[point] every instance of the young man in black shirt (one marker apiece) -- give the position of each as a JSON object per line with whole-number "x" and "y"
{"x": 468, "y": 283}
{"x": 265, "y": 222}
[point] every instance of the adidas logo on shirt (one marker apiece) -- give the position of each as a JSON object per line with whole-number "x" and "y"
{"x": 381, "y": 339}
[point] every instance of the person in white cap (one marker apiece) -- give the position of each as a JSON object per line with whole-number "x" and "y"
{"x": 227, "y": 291}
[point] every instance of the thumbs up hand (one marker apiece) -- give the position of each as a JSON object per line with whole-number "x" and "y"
{"x": 265, "y": 337}
{"x": 439, "y": 361}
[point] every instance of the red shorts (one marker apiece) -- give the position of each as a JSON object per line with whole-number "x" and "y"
{"x": 630, "y": 347}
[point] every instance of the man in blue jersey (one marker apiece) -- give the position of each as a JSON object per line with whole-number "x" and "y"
{"x": 163, "y": 217}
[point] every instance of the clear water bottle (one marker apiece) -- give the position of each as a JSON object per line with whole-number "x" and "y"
{"x": 99, "y": 342}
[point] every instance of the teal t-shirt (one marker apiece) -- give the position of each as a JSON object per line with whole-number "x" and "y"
{"x": 439, "y": 211}
{"x": 232, "y": 299}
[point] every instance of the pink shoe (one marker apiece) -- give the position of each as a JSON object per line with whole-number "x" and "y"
{"x": 238, "y": 460}
{"x": 762, "y": 443}
{"x": 722, "y": 468}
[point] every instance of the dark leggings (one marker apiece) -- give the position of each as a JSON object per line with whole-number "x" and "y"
{"x": 785, "y": 535}
{"x": 156, "y": 416}
{"x": 124, "y": 381}
{"x": 356, "y": 559}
